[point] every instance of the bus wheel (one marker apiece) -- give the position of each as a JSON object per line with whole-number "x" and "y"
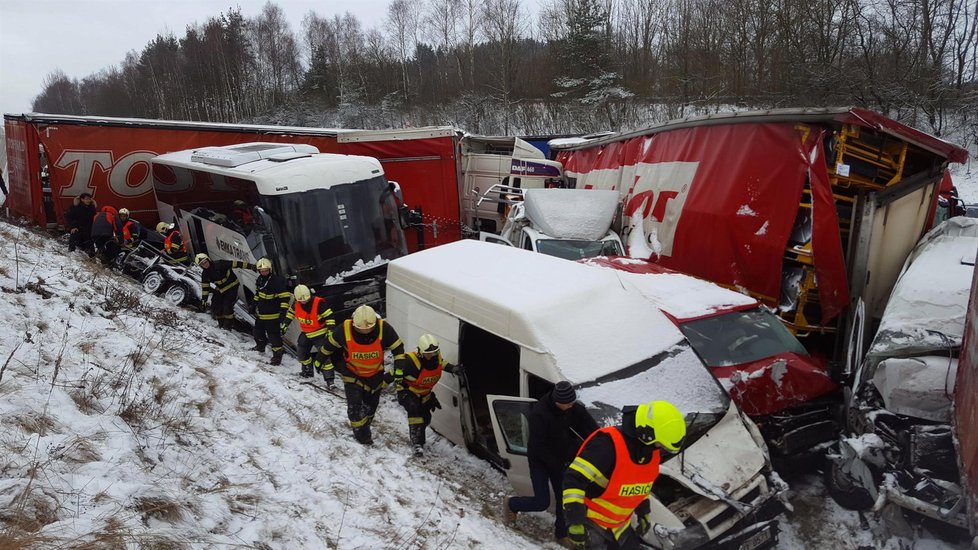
{"x": 176, "y": 294}
{"x": 153, "y": 282}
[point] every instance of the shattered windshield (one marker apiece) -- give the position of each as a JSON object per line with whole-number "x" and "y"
{"x": 676, "y": 375}
{"x": 577, "y": 250}
{"x": 323, "y": 232}
{"x": 740, "y": 337}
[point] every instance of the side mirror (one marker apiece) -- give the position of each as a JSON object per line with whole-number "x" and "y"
{"x": 396, "y": 191}
{"x": 260, "y": 219}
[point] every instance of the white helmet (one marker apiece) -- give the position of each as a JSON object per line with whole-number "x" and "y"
{"x": 201, "y": 257}
{"x": 263, "y": 263}
{"x": 427, "y": 344}
{"x": 162, "y": 227}
{"x": 364, "y": 317}
{"x": 123, "y": 211}
{"x": 302, "y": 293}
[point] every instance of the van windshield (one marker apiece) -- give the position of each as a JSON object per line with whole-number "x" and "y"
{"x": 676, "y": 375}
{"x": 577, "y": 250}
{"x": 740, "y": 337}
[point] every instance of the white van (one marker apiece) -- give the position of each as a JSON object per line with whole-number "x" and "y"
{"x": 519, "y": 322}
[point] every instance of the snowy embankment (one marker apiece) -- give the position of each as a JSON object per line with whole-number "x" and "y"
{"x": 128, "y": 422}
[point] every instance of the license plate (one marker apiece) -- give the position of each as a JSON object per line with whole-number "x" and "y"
{"x": 758, "y": 539}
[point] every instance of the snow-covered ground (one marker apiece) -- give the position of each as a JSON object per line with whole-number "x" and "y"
{"x": 965, "y": 178}
{"x": 129, "y": 423}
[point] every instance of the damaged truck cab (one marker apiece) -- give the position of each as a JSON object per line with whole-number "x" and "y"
{"x": 562, "y": 320}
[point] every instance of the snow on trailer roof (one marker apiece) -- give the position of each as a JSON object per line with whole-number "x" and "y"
{"x": 582, "y": 318}
{"x": 682, "y": 296}
{"x": 837, "y": 115}
{"x": 300, "y": 172}
{"x": 930, "y": 297}
{"x": 175, "y": 124}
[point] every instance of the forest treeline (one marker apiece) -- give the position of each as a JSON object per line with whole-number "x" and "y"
{"x": 577, "y": 66}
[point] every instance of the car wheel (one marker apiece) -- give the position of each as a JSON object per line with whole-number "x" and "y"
{"x": 845, "y": 491}
{"x": 153, "y": 282}
{"x": 176, "y": 294}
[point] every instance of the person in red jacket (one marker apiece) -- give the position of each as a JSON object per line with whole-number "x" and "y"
{"x": 612, "y": 475}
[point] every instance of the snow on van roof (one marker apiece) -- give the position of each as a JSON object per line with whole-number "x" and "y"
{"x": 680, "y": 295}
{"x": 276, "y": 176}
{"x": 931, "y": 295}
{"x": 583, "y": 319}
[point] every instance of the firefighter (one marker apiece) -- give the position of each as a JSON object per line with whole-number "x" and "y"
{"x": 362, "y": 341}
{"x": 105, "y": 233}
{"x": 129, "y": 229}
{"x": 271, "y": 303}
{"x": 415, "y": 376}
{"x": 315, "y": 319}
{"x": 173, "y": 245}
{"x": 219, "y": 275}
{"x": 611, "y": 477}
{"x": 79, "y": 218}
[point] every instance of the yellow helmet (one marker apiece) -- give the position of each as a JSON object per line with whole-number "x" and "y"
{"x": 364, "y": 317}
{"x": 263, "y": 263}
{"x": 201, "y": 257}
{"x": 302, "y": 293}
{"x": 660, "y": 422}
{"x": 427, "y": 344}
{"x": 162, "y": 227}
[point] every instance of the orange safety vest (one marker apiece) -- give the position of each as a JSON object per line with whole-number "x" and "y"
{"x": 426, "y": 378}
{"x": 127, "y": 230}
{"x": 169, "y": 246}
{"x": 309, "y": 319}
{"x": 628, "y": 486}
{"x": 364, "y": 360}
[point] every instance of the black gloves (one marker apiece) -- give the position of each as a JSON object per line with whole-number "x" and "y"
{"x": 388, "y": 377}
{"x": 433, "y": 402}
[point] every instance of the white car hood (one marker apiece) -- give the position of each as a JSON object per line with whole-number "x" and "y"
{"x": 921, "y": 387}
{"x": 721, "y": 461}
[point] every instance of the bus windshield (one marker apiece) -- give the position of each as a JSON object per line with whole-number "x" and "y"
{"x": 324, "y": 232}
{"x": 576, "y": 250}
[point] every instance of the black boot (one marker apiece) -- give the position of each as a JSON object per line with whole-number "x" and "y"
{"x": 306, "y": 371}
{"x": 276, "y": 358}
{"x": 362, "y": 435}
{"x": 260, "y": 348}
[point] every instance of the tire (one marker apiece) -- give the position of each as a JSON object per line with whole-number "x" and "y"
{"x": 154, "y": 282}
{"x": 844, "y": 490}
{"x": 176, "y": 294}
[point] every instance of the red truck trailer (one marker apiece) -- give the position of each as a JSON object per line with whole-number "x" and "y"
{"x": 807, "y": 210}
{"x": 54, "y": 158}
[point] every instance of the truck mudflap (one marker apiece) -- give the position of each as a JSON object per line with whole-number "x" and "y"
{"x": 758, "y": 530}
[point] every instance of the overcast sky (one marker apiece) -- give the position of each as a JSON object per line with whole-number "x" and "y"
{"x": 82, "y": 37}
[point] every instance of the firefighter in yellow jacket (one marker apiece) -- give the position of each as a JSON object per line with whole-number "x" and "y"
{"x": 611, "y": 478}
{"x": 355, "y": 348}
{"x": 415, "y": 376}
{"x": 315, "y": 319}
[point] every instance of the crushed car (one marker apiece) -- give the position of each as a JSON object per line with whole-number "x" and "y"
{"x": 899, "y": 454}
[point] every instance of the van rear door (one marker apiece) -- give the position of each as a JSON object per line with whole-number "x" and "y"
{"x": 511, "y": 426}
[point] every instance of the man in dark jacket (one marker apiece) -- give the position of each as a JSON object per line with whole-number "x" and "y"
{"x": 219, "y": 275}
{"x": 105, "y": 233}
{"x": 79, "y": 221}
{"x": 558, "y": 425}
{"x": 271, "y": 304}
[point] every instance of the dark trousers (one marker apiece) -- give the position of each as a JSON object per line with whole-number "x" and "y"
{"x": 107, "y": 247}
{"x": 268, "y": 331}
{"x": 362, "y": 399}
{"x": 540, "y": 477}
{"x": 418, "y": 413}
{"x": 222, "y": 304}
{"x": 80, "y": 239}
{"x": 599, "y": 538}
{"x": 304, "y": 348}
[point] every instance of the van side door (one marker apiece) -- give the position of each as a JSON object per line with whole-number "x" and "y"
{"x": 511, "y": 427}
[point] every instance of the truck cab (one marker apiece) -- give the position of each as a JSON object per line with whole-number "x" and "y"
{"x": 517, "y": 337}
{"x": 567, "y": 223}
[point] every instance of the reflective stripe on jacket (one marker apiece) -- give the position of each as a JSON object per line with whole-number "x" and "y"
{"x": 313, "y": 321}
{"x": 364, "y": 360}
{"x": 426, "y": 380}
